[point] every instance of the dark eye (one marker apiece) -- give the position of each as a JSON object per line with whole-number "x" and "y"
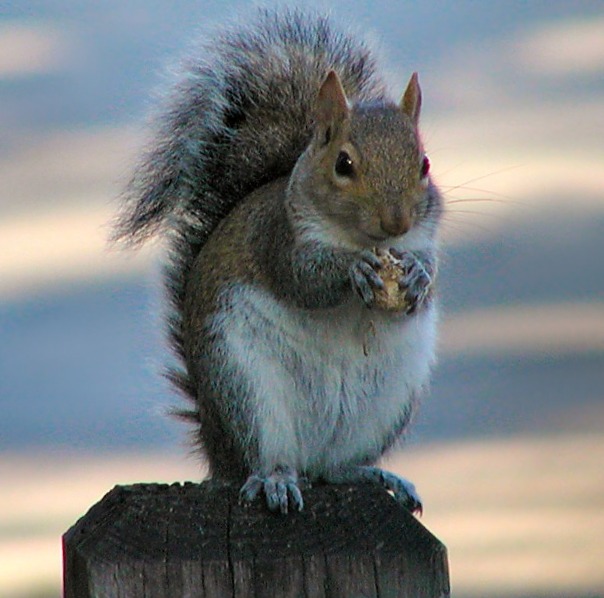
{"x": 344, "y": 165}
{"x": 425, "y": 168}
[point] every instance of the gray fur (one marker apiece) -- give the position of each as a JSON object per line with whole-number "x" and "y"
{"x": 289, "y": 373}
{"x": 238, "y": 117}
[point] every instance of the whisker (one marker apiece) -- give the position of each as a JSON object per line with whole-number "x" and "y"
{"x": 452, "y": 169}
{"x": 494, "y": 217}
{"x": 484, "y": 200}
{"x": 475, "y": 200}
{"x": 474, "y": 218}
{"x": 464, "y": 226}
{"x": 484, "y": 176}
{"x": 447, "y": 189}
{"x": 473, "y": 213}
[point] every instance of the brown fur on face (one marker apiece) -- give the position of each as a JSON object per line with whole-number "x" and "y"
{"x": 379, "y": 199}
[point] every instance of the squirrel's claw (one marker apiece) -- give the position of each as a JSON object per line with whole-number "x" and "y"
{"x": 364, "y": 277}
{"x": 251, "y": 488}
{"x": 280, "y": 489}
{"x": 417, "y": 278}
{"x": 403, "y": 490}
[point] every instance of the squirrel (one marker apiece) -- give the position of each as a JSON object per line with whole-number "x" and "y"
{"x": 278, "y": 171}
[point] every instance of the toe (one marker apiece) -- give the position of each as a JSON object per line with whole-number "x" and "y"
{"x": 249, "y": 491}
{"x": 295, "y": 496}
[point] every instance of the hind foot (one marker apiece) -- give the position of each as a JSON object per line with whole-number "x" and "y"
{"x": 281, "y": 489}
{"x": 403, "y": 490}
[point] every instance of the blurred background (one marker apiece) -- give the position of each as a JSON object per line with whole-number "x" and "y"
{"x": 508, "y": 450}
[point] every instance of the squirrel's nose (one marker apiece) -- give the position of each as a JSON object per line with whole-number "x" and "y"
{"x": 395, "y": 220}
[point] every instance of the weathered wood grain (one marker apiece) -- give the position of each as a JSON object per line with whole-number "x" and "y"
{"x": 153, "y": 540}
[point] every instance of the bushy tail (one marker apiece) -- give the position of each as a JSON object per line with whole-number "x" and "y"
{"x": 238, "y": 117}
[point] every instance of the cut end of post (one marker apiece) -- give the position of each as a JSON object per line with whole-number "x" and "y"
{"x": 197, "y": 539}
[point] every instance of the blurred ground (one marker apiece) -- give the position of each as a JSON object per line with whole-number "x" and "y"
{"x": 508, "y": 448}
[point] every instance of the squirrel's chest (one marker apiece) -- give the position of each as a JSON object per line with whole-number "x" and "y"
{"x": 330, "y": 385}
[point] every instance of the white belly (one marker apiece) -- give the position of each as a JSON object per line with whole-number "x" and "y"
{"x": 329, "y": 386}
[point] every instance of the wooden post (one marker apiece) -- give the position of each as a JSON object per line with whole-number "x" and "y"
{"x": 168, "y": 541}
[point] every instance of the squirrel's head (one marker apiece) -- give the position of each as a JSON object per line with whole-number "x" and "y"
{"x": 365, "y": 171}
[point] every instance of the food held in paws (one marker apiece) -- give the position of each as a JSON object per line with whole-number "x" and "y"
{"x": 391, "y": 297}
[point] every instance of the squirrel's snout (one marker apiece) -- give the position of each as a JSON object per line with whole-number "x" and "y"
{"x": 395, "y": 220}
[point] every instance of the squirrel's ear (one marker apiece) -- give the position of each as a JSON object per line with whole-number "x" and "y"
{"x": 332, "y": 105}
{"x": 411, "y": 101}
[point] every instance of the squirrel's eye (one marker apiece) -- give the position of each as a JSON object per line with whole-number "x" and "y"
{"x": 425, "y": 168}
{"x": 344, "y": 165}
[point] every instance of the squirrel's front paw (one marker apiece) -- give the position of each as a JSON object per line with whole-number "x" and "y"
{"x": 417, "y": 278}
{"x": 364, "y": 277}
{"x": 281, "y": 489}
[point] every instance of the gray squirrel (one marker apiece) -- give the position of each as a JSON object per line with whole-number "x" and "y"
{"x": 279, "y": 173}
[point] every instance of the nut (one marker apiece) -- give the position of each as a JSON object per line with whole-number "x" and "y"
{"x": 391, "y": 297}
